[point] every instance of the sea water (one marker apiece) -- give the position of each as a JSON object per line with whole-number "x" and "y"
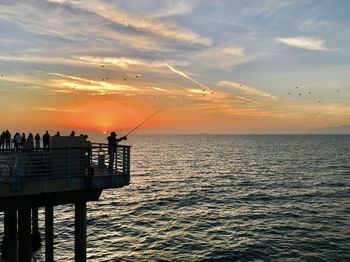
{"x": 221, "y": 198}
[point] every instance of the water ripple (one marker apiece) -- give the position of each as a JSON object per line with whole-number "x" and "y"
{"x": 221, "y": 198}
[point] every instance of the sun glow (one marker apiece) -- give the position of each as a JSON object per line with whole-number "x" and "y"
{"x": 105, "y": 116}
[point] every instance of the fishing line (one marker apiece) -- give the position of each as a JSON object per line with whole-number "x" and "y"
{"x": 143, "y": 122}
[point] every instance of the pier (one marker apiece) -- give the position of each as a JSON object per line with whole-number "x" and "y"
{"x": 72, "y": 171}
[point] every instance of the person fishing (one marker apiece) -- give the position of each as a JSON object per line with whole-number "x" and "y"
{"x": 113, "y": 140}
{"x": 112, "y": 147}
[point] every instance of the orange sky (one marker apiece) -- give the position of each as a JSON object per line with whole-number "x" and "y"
{"x": 99, "y": 66}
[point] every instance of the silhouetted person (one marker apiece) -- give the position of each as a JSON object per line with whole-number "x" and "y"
{"x": 37, "y": 141}
{"x": 58, "y": 133}
{"x": 2, "y": 140}
{"x": 7, "y": 140}
{"x": 112, "y": 147}
{"x": 46, "y": 140}
{"x": 23, "y": 139}
{"x": 72, "y": 133}
{"x": 29, "y": 144}
{"x": 18, "y": 140}
{"x": 15, "y": 145}
{"x": 30, "y": 137}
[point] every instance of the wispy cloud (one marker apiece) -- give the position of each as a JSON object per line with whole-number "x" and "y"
{"x": 176, "y": 8}
{"x": 123, "y": 62}
{"x": 82, "y": 84}
{"x": 159, "y": 89}
{"x": 123, "y": 18}
{"x": 245, "y": 89}
{"x": 304, "y": 42}
{"x": 41, "y": 59}
{"x": 248, "y": 100}
{"x": 74, "y": 26}
{"x": 56, "y": 109}
{"x": 222, "y": 57}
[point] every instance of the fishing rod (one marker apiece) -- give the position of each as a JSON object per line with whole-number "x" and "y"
{"x": 143, "y": 122}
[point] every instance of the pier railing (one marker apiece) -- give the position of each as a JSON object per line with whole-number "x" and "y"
{"x": 65, "y": 164}
{"x": 101, "y": 157}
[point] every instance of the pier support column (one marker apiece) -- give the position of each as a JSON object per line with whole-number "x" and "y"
{"x": 12, "y": 235}
{"x": 9, "y": 243}
{"x": 49, "y": 233}
{"x": 36, "y": 239}
{"x": 80, "y": 231}
{"x": 5, "y": 240}
{"x": 24, "y": 234}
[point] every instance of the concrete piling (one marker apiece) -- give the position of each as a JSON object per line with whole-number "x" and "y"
{"x": 49, "y": 246}
{"x": 24, "y": 234}
{"x": 5, "y": 240}
{"x": 80, "y": 231}
{"x": 12, "y": 235}
{"x": 36, "y": 238}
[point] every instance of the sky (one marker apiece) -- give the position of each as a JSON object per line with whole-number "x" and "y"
{"x": 210, "y": 66}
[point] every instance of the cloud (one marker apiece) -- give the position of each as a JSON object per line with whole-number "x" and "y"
{"x": 82, "y": 84}
{"x": 247, "y": 99}
{"x": 67, "y": 27}
{"x": 177, "y": 8}
{"x": 245, "y": 89}
{"x": 158, "y": 89}
{"x": 41, "y": 59}
{"x": 222, "y": 57}
{"x": 123, "y": 62}
{"x": 315, "y": 23}
{"x": 304, "y": 42}
{"x": 147, "y": 24}
{"x": 56, "y": 109}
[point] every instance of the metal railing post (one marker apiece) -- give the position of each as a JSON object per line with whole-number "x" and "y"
{"x": 116, "y": 160}
{"x": 128, "y": 165}
{"x": 125, "y": 164}
{"x": 69, "y": 168}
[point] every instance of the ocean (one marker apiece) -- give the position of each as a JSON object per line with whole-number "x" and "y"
{"x": 221, "y": 198}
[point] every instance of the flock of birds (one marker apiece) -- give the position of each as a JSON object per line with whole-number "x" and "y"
{"x": 308, "y": 92}
{"x": 203, "y": 91}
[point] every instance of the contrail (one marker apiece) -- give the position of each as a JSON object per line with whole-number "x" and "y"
{"x": 186, "y": 76}
{"x": 249, "y": 100}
